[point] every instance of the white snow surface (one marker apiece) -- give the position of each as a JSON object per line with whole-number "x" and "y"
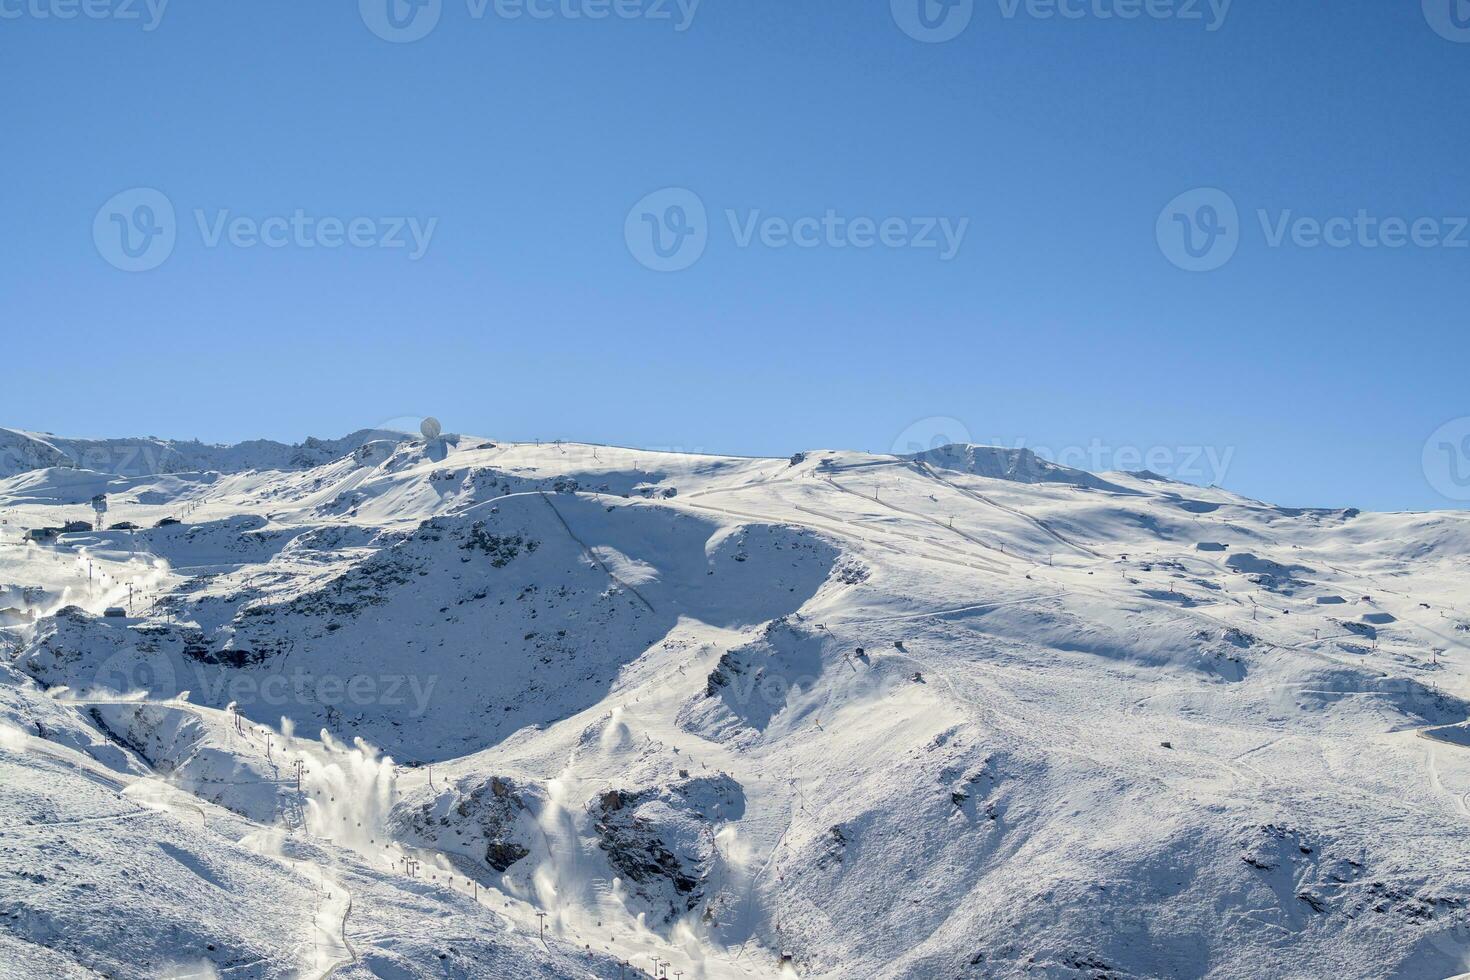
{"x": 376, "y": 707}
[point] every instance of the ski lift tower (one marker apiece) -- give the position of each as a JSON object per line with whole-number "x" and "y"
{"x": 99, "y": 507}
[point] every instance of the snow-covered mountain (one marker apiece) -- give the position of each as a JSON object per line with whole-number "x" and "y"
{"x": 381, "y": 707}
{"x": 22, "y": 451}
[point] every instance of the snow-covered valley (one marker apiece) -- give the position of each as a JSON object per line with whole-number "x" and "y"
{"x": 394, "y": 707}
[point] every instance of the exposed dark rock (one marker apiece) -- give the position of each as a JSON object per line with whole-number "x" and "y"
{"x": 660, "y": 839}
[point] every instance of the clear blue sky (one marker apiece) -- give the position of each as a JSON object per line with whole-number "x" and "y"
{"x": 1059, "y": 322}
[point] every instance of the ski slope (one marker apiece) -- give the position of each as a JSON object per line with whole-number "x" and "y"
{"x": 395, "y": 708}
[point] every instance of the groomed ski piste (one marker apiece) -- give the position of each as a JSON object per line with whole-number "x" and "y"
{"x": 394, "y": 707}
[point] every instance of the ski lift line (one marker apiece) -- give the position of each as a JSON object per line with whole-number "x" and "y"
{"x": 590, "y": 555}
{"x": 923, "y": 517}
{"x": 928, "y": 471}
{"x": 975, "y": 565}
{"x": 853, "y": 534}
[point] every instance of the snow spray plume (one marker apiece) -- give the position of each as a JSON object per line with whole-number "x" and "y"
{"x": 686, "y": 937}
{"x": 267, "y": 841}
{"x": 153, "y": 793}
{"x": 556, "y": 828}
{"x": 12, "y": 739}
{"x": 563, "y": 880}
{"x": 615, "y": 734}
{"x": 349, "y": 790}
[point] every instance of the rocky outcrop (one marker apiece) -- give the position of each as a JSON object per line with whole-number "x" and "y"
{"x": 660, "y": 840}
{"x": 488, "y": 822}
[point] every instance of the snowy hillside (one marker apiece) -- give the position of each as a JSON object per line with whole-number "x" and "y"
{"x": 385, "y": 708}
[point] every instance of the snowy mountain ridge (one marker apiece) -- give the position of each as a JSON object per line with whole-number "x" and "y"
{"x": 963, "y": 713}
{"x": 22, "y": 451}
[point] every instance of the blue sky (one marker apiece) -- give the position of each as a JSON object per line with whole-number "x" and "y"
{"x": 827, "y": 150}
